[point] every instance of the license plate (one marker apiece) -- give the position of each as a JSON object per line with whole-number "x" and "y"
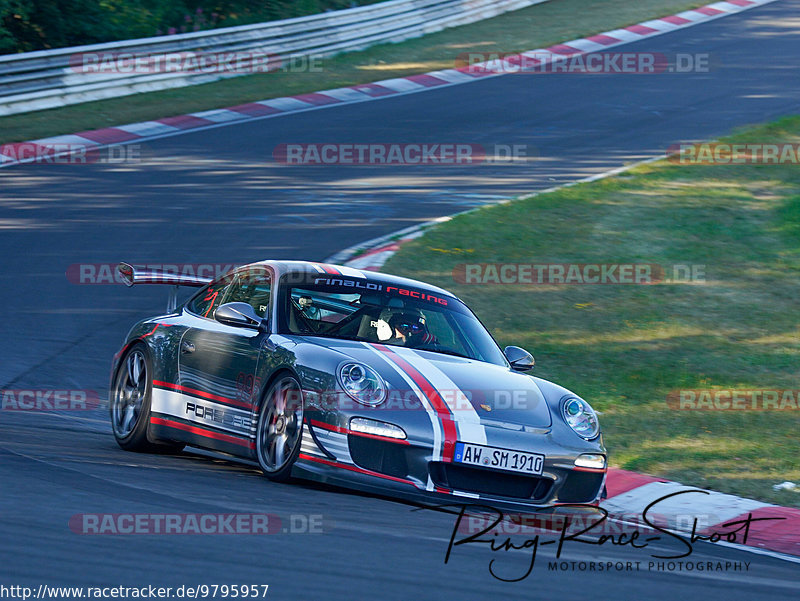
{"x": 500, "y": 459}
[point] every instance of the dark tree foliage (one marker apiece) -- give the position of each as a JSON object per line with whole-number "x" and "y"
{"x": 27, "y": 25}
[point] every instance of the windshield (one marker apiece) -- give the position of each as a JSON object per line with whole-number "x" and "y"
{"x": 377, "y": 312}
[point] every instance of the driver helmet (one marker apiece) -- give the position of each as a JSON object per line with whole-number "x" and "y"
{"x": 410, "y": 323}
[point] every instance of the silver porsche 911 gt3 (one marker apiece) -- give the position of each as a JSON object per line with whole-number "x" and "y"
{"x": 354, "y": 378}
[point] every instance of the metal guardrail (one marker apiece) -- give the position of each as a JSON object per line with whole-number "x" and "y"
{"x": 52, "y": 78}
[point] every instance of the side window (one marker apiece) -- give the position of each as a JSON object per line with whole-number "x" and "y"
{"x": 206, "y": 302}
{"x": 252, "y": 287}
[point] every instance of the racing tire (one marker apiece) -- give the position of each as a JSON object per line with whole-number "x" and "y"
{"x": 129, "y": 403}
{"x": 280, "y": 428}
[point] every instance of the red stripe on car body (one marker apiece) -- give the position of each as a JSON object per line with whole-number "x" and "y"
{"x": 353, "y": 468}
{"x": 442, "y": 410}
{"x": 329, "y": 269}
{"x": 202, "y": 432}
{"x": 206, "y": 395}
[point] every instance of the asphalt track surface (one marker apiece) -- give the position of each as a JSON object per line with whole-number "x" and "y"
{"x": 216, "y": 196}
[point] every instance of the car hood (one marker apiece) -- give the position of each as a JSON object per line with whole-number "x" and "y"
{"x": 494, "y": 393}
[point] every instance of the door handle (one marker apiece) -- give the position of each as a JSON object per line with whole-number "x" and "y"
{"x": 187, "y": 347}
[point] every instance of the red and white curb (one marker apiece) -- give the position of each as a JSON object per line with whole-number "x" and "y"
{"x": 57, "y": 146}
{"x": 630, "y": 493}
{"x": 372, "y": 254}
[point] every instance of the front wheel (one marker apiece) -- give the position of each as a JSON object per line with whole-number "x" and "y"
{"x": 280, "y": 429}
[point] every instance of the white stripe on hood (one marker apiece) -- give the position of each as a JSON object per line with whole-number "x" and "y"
{"x": 434, "y": 418}
{"x": 467, "y": 420}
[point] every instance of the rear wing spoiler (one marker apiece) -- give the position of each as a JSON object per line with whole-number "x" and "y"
{"x": 131, "y": 275}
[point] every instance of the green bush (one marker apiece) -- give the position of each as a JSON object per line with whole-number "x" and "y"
{"x": 27, "y": 25}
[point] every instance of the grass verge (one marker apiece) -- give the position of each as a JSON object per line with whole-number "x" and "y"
{"x": 534, "y": 27}
{"x": 625, "y": 348}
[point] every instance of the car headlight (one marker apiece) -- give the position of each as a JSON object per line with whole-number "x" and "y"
{"x": 362, "y": 383}
{"x": 580, "y": 416}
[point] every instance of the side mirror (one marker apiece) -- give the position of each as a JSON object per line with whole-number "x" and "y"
{"x": 519, "y": 358}
{"x": 238, "y": 315}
